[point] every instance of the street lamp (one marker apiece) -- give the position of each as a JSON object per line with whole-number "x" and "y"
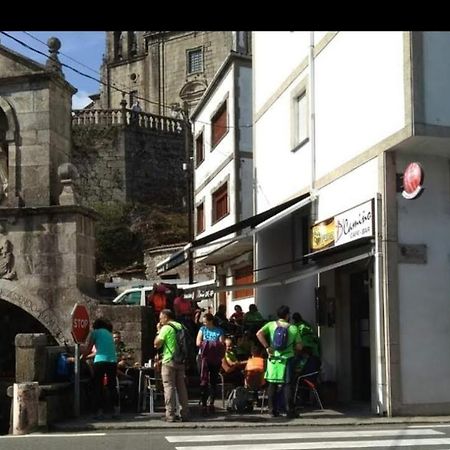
{"x": 183, "y": 114}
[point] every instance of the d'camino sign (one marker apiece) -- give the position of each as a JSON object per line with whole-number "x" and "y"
{"x": 353, "y": 224}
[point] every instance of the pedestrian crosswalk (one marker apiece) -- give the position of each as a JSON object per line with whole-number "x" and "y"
{"x": 306, "y": 440}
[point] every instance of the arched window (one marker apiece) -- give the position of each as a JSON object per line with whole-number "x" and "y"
{"x": 117, "y": 45}
{"x": 132, "y": 43}
{"x": 3, "y": 157}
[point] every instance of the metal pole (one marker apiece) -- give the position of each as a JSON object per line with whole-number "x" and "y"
{"x": 76, "y": 398}
{"x": 189, "y": 186}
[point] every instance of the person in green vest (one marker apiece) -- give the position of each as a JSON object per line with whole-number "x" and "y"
{"x": 173, "y": 374}
{"x": 308, "y": 336}
{"x": 281, "y": 341}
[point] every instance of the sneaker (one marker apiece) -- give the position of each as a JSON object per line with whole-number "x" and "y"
{"x": 99, "y": 415}
{"x": 274, "y": 414}
{"x": 168, "y": 419}
{"x": 182, "y": 419}
{"x": 116, "y": 413}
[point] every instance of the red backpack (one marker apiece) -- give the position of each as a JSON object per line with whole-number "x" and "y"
{"x": 159, "y": 301}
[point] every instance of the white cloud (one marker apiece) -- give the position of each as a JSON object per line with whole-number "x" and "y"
{"x": 80, "y": 100}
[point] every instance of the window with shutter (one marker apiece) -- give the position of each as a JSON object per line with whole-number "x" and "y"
{"x": 219, "y": 125}
{"x": 200, "y": 218}
{"x": 199, "y": 150}
{"x": 220, "y": 203}
{"x": 243, "y": 276}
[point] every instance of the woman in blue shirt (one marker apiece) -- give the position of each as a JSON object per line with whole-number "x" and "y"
{"x": 105, "y": 364}
{"x": 210, "y": 340}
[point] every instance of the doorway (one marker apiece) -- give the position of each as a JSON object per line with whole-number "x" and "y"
{"x": 360, "y": 336}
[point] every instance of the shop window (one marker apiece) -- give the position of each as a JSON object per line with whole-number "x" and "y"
{"x": 301, "y": 119}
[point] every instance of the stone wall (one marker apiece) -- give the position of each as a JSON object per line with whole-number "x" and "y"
{"x": 135, "y": 324}
{"x": 129, "y": 164}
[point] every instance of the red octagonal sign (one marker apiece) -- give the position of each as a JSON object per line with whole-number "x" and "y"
{"x": 80, "y": 323}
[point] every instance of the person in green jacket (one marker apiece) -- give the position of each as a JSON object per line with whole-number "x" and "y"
{"x": 279, "y": 371}
{"x": 308, "y": 336}
{"x": 173, "y": 374}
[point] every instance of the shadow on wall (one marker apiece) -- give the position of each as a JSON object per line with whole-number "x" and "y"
{"x": 13, "y": 320}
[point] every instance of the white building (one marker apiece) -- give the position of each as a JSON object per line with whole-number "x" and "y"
{"x": 337, "y": 117}
{"x": 223, "y": 163}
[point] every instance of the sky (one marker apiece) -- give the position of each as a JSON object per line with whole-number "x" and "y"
{"x": 85, "y": 47}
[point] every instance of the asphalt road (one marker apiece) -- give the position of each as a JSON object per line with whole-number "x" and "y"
{"x": 302, "y": 438}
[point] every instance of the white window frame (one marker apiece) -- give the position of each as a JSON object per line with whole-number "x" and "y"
{"x": 299, "y": 136}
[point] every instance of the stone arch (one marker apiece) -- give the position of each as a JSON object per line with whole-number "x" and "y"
{"x": 37, "y": 309}
{"x": 12, "y": 123}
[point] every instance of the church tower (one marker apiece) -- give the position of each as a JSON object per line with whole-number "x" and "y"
{"x": 164, "y": 67}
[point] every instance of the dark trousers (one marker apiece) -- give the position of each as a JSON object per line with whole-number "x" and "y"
{"x": 277, "y": 392}
{"x": 211, "y": 388}
{"x": 102, "y": 401}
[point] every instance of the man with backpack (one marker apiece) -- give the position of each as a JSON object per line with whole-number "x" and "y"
{"x": 172, "y": 338}
{"x": 281, "y": 341}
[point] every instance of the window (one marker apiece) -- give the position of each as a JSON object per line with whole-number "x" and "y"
{"x": 220, "y": 203}
{"x": 200, "y": 218}
{"x": 132, "y": 298}
{"x": 195, "y": 61}
{"x": 118, "y": 44}
{"x": 199, "y": 150}
{"x": 300, "y": 119}
{"x": 132, "y": 43}
{"x": 243, "y": 276}
{"x": 133, "y": 95}
{"x": 219, "y": 125}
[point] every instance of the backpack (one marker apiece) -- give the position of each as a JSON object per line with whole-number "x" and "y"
{"x": 280, "y": 337}
{"x": 183, "y": 342}
{"x": 239, "y": 401}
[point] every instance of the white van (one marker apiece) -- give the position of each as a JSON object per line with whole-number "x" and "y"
{"x": 133, "y": 296}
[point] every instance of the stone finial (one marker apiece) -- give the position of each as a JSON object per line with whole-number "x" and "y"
{"x": 67, "y": 173}
{"x": 53, "y": 63}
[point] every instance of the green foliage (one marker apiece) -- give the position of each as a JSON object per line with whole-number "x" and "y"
{"x": 124, "y": 231}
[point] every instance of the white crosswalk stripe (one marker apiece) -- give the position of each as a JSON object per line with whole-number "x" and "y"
{"x": 306, "y": 440}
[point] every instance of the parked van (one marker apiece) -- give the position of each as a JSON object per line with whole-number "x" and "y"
{"x": 138, "y": 295}
{"x": 133, "y": 296}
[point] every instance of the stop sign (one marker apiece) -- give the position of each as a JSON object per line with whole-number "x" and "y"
{"x": 80, "y": 323}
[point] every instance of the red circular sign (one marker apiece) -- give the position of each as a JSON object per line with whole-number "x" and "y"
{"x": 412, "y": 180}
{"x": 80, "y": 323}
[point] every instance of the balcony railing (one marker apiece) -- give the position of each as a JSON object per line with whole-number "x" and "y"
{"x": 126, "y": 117}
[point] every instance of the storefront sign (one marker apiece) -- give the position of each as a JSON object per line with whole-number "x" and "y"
{"x": 356, "y": 223}
{"x": 412, "y": 181}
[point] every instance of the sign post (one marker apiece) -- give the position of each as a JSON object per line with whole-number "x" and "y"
{"x": 80, "y": 331}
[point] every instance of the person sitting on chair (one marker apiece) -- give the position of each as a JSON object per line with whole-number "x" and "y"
{"x": 254, "y": 369}
{"x": 231, "y": 366}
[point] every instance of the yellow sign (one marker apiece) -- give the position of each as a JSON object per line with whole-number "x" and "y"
{"x": 322, "y": 234}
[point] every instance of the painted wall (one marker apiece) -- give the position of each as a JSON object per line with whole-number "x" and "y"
{"x": 356, "y": 187}
{"x": 436, "y": 73}
{"x": 218, "y": 164}
{"x": 424, "y": 288}
{"x": 356, "y": 75}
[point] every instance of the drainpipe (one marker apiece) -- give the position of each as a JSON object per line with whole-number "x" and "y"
{"x": 379, "y": 353}
{"x": 312, "y": 127}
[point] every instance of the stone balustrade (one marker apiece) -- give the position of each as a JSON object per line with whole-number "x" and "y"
{"x": 111, "y": 117}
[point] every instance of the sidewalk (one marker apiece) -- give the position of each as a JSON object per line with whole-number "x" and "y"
{"x": 354, "y": 415}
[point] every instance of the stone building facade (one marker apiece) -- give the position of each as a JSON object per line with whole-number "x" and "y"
{"x": 165, "y": 67}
